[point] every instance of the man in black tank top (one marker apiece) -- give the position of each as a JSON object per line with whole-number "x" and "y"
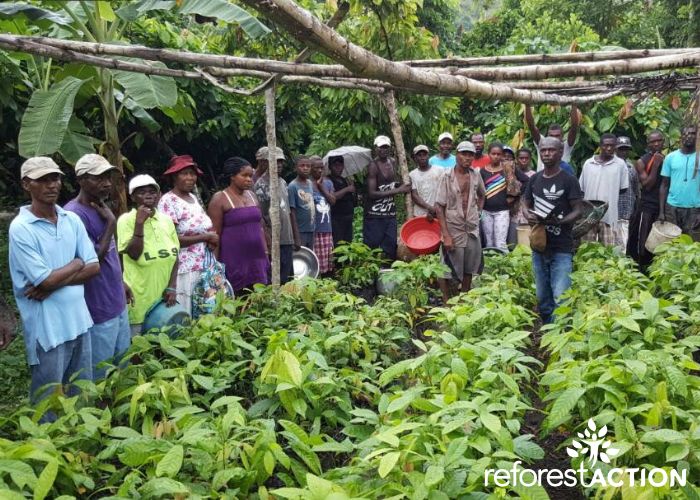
{"x": 649, "y": 173}
{"x": 379, "y": 228}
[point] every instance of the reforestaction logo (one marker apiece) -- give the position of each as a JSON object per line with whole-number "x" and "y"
{"x": 592, "y": 445}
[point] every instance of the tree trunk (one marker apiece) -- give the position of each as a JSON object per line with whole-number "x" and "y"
{"x": 111, "y": 148}
{"x": 390, "y": 103}
{"x": 274, "y": 182}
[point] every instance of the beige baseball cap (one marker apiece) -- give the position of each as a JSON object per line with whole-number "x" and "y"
{"x": 264, "y": 151}
{"x": 466, "y": 146}
{"x": 445, "y": 135}
{"x": 92, "y": 164}
{"x": 421, "y": 147}
{"x": 141, "y": 181}
{"x": 39, "y": 166}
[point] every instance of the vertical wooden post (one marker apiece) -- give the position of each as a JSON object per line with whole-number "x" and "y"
{"x": 390, "y": 104}
{"x": 274, "y": 182}
{"x": 696, "y": 122}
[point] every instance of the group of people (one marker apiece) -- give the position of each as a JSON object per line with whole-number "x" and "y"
{"x": 478, "y": 199}
{"x": 84, "y": 280}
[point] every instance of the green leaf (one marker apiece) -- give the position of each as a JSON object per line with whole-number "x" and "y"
{"x": 434, "y": 475}
{"x": 45, "y": 121}
{"x": 526, "y": 449}
{"x": 662, "y": 436}
{"x": 561, "y": 409}
{"x": 387, "y": 463}
{"x": 148, "y": 91}
{"x": 677, "y": 380}
{"x": 162, "y": 486}
{"x": 46, "y": 480}
{"x": 21, "y": 473}
{"x": 490, "y": 421}
{"x": 76, "y": 143}
{"x": 293, "y": 368}
{"x": 105, "y": 10}
{"x": 677, "y": 451}
{"x": 402, "y": 402}
{"x": 171, "y": 462}
{"x": 628, "y": 323}
{"x": 11, "y": 10}
{"x": 221, "y": 9}
{"x": 133, "y": 10}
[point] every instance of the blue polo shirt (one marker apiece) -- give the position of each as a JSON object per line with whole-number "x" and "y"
{"x": 37, "y": 247}
{"x": 439, "y": 161}
{"x": 684, "y": 189}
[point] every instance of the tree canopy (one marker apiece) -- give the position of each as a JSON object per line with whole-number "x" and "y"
{"x": 147, "y": 118}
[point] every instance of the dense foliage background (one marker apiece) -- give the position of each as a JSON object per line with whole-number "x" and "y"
{"x": 212, "y": 125}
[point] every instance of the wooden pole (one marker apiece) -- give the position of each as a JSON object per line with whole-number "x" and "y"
{"x": 390, "y": 103}
{"x": 274, "y": 182}
{"x": 610, "y": 55}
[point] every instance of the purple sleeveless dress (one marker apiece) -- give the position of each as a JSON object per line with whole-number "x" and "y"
{"x": 242, "y": 247}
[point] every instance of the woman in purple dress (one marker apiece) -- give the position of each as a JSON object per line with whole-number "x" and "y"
{"x": 237, "y": 219}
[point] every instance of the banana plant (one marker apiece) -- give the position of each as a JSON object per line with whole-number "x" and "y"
{"x": 49, "y": 124}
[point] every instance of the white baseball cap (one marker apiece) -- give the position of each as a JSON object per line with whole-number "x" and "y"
{"x": 39, "y": 166}
{"x": 141, "y": 181}
{"x": 445, "y": 135}
{"x": 421, "y": 147}
{"x": 92, "y": 164}
{"x": 382, "y": 140}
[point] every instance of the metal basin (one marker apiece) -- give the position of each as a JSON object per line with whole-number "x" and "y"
{"x": 305, "y": 263}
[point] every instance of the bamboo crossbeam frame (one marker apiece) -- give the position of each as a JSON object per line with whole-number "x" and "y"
{"x": 611, "y": 55}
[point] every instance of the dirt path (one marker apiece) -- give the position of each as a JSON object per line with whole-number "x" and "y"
{"x": 554, "y": 456}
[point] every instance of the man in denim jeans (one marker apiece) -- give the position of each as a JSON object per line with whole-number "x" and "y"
{"x": 553, "y": 198}
{"x": 51, "y": 257}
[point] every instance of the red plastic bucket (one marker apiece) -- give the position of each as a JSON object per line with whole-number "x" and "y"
{"x": 421, "y": 236}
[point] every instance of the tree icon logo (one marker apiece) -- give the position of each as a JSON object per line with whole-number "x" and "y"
{"x": 592, "y": 442}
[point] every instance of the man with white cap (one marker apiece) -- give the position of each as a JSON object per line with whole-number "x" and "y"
{"x": 458, "y": 203}
{"x": 444, "y": 158}
{"x": 105, "y": 294}
{"x": 51, "y": 257}
{"x": 379, "y": 228}
{"x": 147, "y": 240}
{"x": 424, "y": 183}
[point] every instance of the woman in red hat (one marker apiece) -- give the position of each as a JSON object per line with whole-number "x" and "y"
{"x": 194, "y": 227}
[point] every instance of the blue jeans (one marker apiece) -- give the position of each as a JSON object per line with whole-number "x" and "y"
{"x": 110, "y": 340}
{"x": 58, "y": 365}
{"x": 552, "y": 278}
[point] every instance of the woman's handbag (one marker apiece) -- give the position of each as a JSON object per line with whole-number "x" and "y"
{"x": 211, "y": 282}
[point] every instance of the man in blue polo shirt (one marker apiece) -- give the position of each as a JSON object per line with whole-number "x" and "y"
{"x": 679, "y": 196}
{"x": 51, "y": 256}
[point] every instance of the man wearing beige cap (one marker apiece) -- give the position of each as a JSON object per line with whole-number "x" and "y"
{"x": 105, "y": 293}
{"x": 262, "y": 161}
{"x": 51, "y": 257}
{"x": 459, "y": 201}
{"x": 424, "y": 183}
{"x": 261, "y": 188}
{"x": 379, "y": 226}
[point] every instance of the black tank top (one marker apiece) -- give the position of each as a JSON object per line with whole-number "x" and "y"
{"x": 382, "y": 207}
{"x": 649, "y": 199}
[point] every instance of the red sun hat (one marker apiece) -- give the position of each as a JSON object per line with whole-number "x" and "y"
{"x": 181, "y": 162}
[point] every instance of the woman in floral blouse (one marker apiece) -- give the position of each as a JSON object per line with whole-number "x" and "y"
{"x": 194, "y": 227}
